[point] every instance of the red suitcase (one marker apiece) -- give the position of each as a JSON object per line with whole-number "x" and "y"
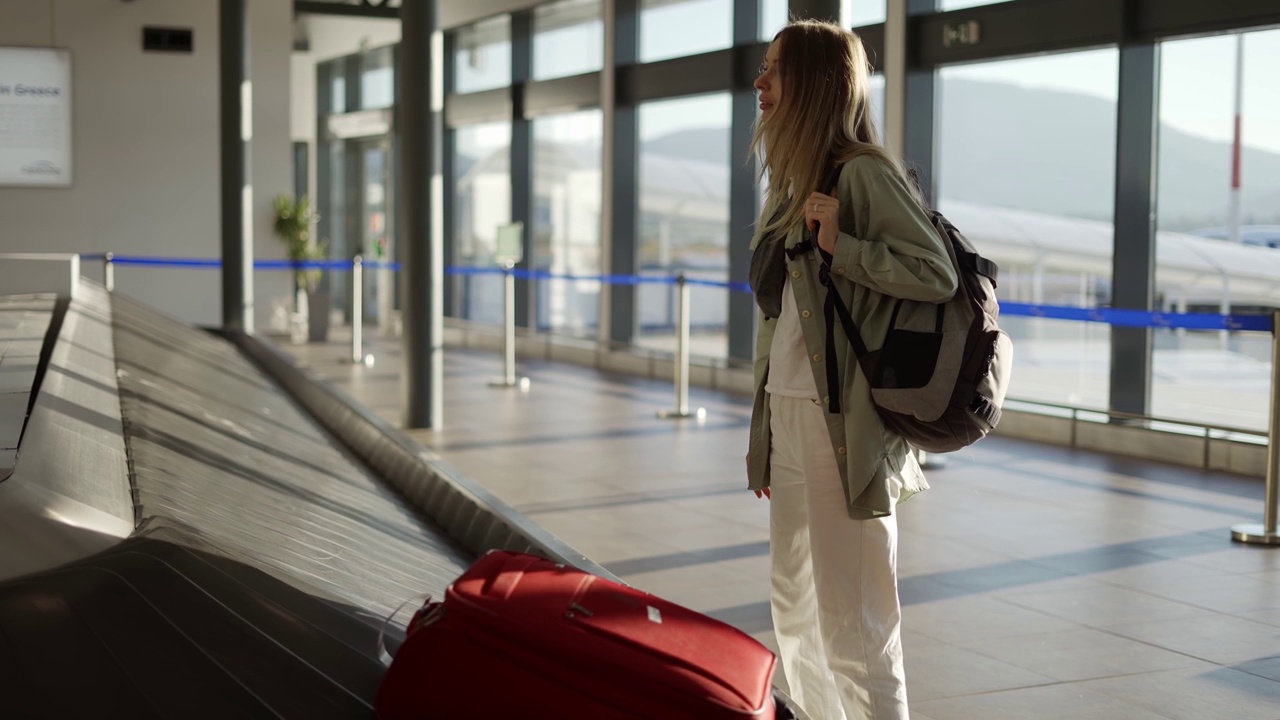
{"x": 522, "y": 637}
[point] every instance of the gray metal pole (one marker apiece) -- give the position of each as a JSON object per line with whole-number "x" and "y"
{"x": 621, "y": 136}
{"x": 235, "y": 92}
{"x": 608, "y": 106}
{"x": 421, "y": 237}
{"x": 509, "y": 378}
{"x": 109, "y": 271}
{"x": 357, "y": 309}
{"x": 1265, "y": 534}
{"x": 682, "y": 357}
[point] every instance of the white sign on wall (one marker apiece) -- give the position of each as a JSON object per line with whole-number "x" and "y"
{"x": 35, "y": 117}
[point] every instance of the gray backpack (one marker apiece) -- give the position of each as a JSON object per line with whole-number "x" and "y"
{"x": 940, "y": 375}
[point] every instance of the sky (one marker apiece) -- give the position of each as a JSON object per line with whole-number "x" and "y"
{"x": 1197, "y": 87}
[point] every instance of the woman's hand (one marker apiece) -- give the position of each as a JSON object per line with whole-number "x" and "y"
{"x": 763, "y": 493}
{"x": 823, "y": 212}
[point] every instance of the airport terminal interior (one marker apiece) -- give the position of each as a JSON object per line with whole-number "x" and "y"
{"x": 307, "y": 305}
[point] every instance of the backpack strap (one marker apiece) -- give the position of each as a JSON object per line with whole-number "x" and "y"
{"x": 799, "y": 249}
{"x": 834, "y": 307}
{"x": 982, "y": 266}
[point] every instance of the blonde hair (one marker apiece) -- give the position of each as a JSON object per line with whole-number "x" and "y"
{"x": 823, "y": 118}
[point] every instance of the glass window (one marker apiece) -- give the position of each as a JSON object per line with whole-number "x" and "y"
{"x": 337, "y": 92}
{"x": 675, "y": 28}
{"x": 568, "y": 39}
{"x": 483, "y": 55}
{"x": 482, "y": 204}
{"x": 684, "y": 218}
{"x": 1027, "y": 172}
{"x": 877, "y": 103}
{"x": 856, "y": 13}
{"x": 335, "y": 208}
{"x": 1213, "y": 255}
{"x": 959, "y": 4}
{"x": 377, "y": 80}
{"x": 566, "y": 220}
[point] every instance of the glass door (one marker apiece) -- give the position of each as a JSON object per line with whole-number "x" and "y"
{"x": 376, "y": 238}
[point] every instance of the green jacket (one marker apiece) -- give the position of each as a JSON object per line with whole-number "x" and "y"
{"x": 887, "y": 249}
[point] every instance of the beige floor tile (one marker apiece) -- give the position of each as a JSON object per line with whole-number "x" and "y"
{"x": 1221, "y": 639}
{"x": 966, "y": 619}
{"x": 1080, "y": 654}
{"x": 1048, "y": 702}
{"x": 1205, "y": 692}
{"x": 1105, "y": 606}
{"x": 938, "y": 670}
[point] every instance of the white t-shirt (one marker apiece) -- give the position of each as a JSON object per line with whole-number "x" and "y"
{"x": 789, "y": 372}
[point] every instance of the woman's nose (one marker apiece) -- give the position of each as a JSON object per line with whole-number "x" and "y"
{"x": 760, "y": 83}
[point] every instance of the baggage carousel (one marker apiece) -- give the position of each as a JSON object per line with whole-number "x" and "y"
{"x": 181, "y": 538}
{"x": 194, "y": 526}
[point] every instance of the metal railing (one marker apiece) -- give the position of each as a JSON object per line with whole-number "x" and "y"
{"x": 1251, "y": 533}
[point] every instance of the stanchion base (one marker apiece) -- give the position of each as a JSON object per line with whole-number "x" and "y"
{"x": 520, "y": 382}
{"x": 699, "y": 413}
{"x": 1254, "y": 534}
{"x": 367, "y": 360}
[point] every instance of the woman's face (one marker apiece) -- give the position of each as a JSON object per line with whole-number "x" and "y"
{"x": 769, "y": 84}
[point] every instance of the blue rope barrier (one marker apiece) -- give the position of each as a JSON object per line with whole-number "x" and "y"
{"x": 737, "y": 286}
{"x": 1109, "y": 316}
{"x": 1140, "y": 318}
{"x": 335, "y": 265}
{"x": 165, "y": 261}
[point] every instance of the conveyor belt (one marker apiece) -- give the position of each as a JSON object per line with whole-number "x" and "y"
{"x": 265, "y": 561}
{"x": 156, "y": 628}
{"x": 218, "y": 447}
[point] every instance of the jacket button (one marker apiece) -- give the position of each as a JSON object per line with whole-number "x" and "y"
{"x": 795, "y": 273}
{"x": 839, "y": 271}
{"x": 826, "y": 400}
{"x": 805, "y": 313}
{"x": 840, "y": 450}
{"x": 817, "y": 358}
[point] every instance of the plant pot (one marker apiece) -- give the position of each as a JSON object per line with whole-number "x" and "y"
{"x": 318, "y": 315}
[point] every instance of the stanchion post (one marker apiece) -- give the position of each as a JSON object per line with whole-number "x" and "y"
{"x": 357, "y": 309}
{"x": 1265, "y": 534}
{"x": 109, "y": 271}
{"x": 509, "y": 378}
{"x": 682, "y": 356}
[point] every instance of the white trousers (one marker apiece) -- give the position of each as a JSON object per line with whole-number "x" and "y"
{"x": 835, "y": 591}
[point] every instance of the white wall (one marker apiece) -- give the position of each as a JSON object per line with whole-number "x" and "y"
{"x": 145, "y": 144}
{"x": 271, "y": 44}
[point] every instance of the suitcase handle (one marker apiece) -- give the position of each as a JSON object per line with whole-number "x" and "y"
{"x": 505, "y": 583}
{"x": 384, "y": 656}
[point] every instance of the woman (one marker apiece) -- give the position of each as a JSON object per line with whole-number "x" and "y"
{"x": 833, "y": 478}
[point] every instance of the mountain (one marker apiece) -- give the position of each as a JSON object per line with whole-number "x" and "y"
{"x": 1054, "y": 152}
{"x": 706, "y": 144}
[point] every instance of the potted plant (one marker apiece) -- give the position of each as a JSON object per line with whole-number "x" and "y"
{"x": 293, "y": 219}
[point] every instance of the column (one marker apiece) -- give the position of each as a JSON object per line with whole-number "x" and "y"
{"x": 235, "y": 94}
{"x": 1133, "y": 262}
{"x": 421, "y": 234}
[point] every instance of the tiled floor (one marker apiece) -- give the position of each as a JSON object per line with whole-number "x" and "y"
{"x": 1036, "y": 582}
